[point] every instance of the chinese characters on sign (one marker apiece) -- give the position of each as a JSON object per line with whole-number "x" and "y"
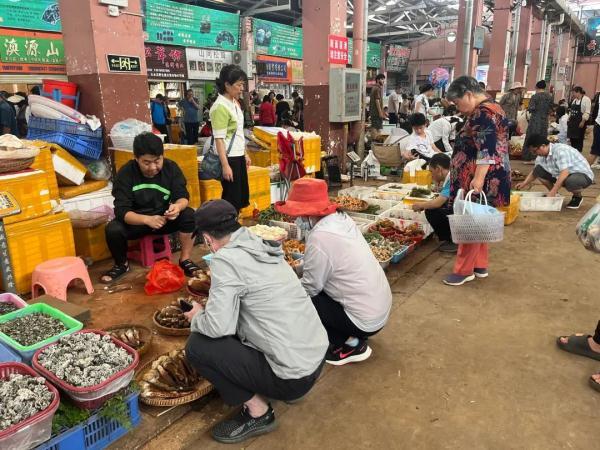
{"x": 397, "y": 58}
{"x": 40, "y": 15}
{"x": 121, "y": 63}
{"x": 205, "y": 64}
{"x": 31, "y": 50}
{"x": 166, "y": 62}
{"x": 338, "y": 49}
{"x": 276, "y": 39}
{"x": 272, "y": 69}
{"x": 352, "y": 94}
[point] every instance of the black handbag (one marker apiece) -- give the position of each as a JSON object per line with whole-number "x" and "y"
{"x": 211, "y": 167}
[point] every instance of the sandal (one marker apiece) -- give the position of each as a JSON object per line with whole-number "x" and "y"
{"x": 116, "y": 272}
{"x": 594, "y": 384}
{"x": 578, "y": 344}
{"x": 189, "y": 267}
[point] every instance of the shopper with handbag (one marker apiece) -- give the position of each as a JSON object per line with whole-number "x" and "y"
{"x": 480, "y": 163}
{"x": 227, "y": 120}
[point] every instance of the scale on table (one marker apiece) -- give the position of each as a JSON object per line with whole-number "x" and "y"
{"x": 8, "y": 207}
{"x": 354, "y": 160}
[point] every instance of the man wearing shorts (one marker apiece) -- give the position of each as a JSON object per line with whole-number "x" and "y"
{"x": 559, "y": 165}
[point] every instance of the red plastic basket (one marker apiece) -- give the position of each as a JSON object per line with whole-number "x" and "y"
{"x": 7, "y": 369}
{"x": 75, "y": 392}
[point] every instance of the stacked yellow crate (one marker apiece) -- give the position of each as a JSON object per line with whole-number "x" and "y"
{"x": 210, "y": 190}
{"x": 30, "y": 189}
{"x": 43, "y": 162}
{"x": 91, "y": 243}
{"x": 259, "y": 183}
{"x": 34, "y": 241}
{"x": 311, "y": 144}
{"x": 186, "y": 157}
{"x": 421, "y": 177}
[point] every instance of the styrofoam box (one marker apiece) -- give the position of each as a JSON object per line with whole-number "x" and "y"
{"x": 87, "y": 202}
{"x": 537, "y": 201}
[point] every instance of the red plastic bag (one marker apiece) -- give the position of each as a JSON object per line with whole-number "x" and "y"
{"x": 164, "y": 277}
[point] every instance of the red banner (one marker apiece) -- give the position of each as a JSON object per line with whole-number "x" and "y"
{"x": 338, "y": 49}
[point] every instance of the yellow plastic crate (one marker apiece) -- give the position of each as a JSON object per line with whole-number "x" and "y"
{"x": 260, "y": 158}
{"x": 210, "y": 190}
{"x": 43, "y": 162}
{"x": 512, "y": 211}
{"x": 312, "y": 154}
{"x": 30, "y": 189}
{"x": 421, "y": 177}
{"x": 194, "y": 191}
{"x": 91, "y": 243}
{"x": 37, "y": 240}
{"x": 66, "y": 192}
{"x": 260, "y": 201}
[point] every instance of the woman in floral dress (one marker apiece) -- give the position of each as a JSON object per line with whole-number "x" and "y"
{"x": 480, "y": 163}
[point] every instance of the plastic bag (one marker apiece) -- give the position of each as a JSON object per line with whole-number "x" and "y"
{"x": 130, "y": 127}
{"x": 98, "y": 170}
{"x": 164, "y": 277}
{"x": 588, "y": 229}
{"x": 469, "y": 206}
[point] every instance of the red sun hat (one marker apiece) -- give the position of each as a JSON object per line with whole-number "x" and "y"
{"x": 308, "y": 197}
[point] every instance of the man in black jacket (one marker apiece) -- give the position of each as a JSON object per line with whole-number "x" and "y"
{"x": 150, "y": 198}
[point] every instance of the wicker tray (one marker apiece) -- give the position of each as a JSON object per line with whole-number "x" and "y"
{"x": 145, "y": 335}
{"x": 169, "y": 331}
{"x": 14, "y": 165}
{"x": 203, "y": 388}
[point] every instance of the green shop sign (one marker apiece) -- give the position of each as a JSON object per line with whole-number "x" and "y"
{"x": 373, "y": 53}
{"x": 42, "y": 15}
{"x": 276, "y": 39}
{"x": 174, "y": 23}
{"x": 31, "y": 50}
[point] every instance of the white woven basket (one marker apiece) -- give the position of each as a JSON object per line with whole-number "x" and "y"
{"x": 476, "y": 228}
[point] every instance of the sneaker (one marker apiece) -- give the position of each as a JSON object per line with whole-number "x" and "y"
{"x": 243, "y": 426}
{"x": 481, "y": 273}
{"x": 575, "y": 202}
{"x": 448, "y": 247}
{"x": 458, "y": 280}
{"x": 347, "y": 354}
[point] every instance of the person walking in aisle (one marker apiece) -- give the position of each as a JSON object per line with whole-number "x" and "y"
{"x": 539, "y": 110}
{"x": 511, "y": 100}
{"x": 376, "y": 103}
{"x": 579, "y": 113}
{"x": 190, "y": 108}
{"x": 480, "y": 163}
{"x": 394, "y": 102}
{"x": 266, "y": 113}
{"x": 422, "y": 100}
{"x": 160, "y": 115}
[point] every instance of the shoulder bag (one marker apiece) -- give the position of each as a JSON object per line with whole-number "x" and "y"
{"x": 211, "y": 168}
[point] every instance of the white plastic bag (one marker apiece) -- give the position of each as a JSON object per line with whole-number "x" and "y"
{"x": 370, "y": 167}
{"x": 588, "y": 229}
{"x": 98, "y": 170}
{"x": 130, "y": 127}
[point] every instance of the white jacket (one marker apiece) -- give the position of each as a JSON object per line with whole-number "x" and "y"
{"x": 339, "y": 261}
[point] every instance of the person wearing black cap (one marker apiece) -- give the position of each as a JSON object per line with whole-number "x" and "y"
{"x": 150, "y": 198}
{"x": 8, "y": 116}
{"x": 259, "y": 336}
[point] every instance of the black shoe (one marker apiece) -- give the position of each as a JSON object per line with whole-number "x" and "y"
{"x": 575, "y": 202}
{"x": 189, "y": 267}
{"x": 243, "y": 426}
{"x": 115, "y": 272}
{"x": 448, "y": 247}
{"x": 347, "y": 354}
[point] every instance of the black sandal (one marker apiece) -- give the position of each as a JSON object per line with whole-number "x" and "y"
{"x": 578, "y": 344}
{"x": 189, "y": 267}
{"x": 116, "y": 272}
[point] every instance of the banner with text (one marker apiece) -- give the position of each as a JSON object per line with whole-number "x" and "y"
{"x": 40, "y": 15}
{"x": 397, "y": 58}
{"x": 276, "y": 39}
{"x": 31, "y": 52}
{"x": 206, "y": 64}
{"x": 373, "y": 53}
{"x": 166, "y": 62}
{"x": 338, "y": 49}
{"x": 191, "y": 26}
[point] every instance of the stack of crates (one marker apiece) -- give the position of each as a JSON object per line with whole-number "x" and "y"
{"x": 259, "y": 182}
{"x": 186, "y": 157}
{"x": 43, "y": 162}
{"x": 311, "y": 144}
{"x": 91, "y": 243}
{"x": 421, "y": 177}
{"x": 210, "y": 190}
{"x": 30, "y": 189}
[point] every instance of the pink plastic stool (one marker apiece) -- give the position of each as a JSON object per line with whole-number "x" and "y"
{"x": 145, "y": 253}
{"x": 55, "y": 275}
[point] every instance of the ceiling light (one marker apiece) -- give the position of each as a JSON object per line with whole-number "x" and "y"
{"x": 451, "y": 37}
{"x": 390, "y": 2}
{"x": 380, "y": 8}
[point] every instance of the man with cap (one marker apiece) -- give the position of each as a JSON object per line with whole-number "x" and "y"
{"x": 511, "y": 100}
{"x": 8, "y": 115}
{"x": 342, "y": 276}
{"x": 259, "y": 337}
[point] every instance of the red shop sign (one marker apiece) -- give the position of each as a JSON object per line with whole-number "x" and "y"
{"x": 338, "y": 49}
{"x": 166, "y": 62}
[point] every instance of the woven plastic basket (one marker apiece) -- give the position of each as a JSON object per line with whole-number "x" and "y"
{"x": 476, "y": 228}
{"x": 14, "y": 165}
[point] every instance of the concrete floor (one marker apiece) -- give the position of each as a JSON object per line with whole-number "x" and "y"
{"x": 473, "y": 367}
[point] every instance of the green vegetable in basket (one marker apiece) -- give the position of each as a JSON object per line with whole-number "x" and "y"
{"x": 420, "y": 193}
{"x": 372, "y": 209}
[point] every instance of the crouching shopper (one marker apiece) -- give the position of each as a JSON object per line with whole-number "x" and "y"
{"x": 345, "y": 281}
{"x": 436, "y": 210}
{"x": 259, "y": 337}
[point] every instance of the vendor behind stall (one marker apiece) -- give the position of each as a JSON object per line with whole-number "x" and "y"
{"x": 345, "y": 281}
{"x": 258, "y": 337}
{"x": 150, "y": 198}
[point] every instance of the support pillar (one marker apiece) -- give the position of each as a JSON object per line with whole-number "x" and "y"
{"x": 358, "y": 62}
{"x": 460, "y": 35}
{"x": 319, "y": 20}
{"x": 499, "y": 45}
{"x": 525, "y": 29}
{"x": 535, "y": 46}
{"x": 89, "y": 35}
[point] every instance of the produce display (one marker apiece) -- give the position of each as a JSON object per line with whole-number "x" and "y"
{"x": 382, "y": 247}
{"x": 171, "y": 316}
{"x": 420, "y": 193}
{"x": 266, "y": 215}
{"x": 32, "y": 328}
{"x": 269, "y": 233}
{"x": 200, "y": 282}
{"x": 348, "y": 203}
{"x": 129, "y": 336}
{"x": 372, "y": 209}
{"x": 21, "y": 397}
{"x": 382, "y": 254}
{"x": 6, "y": 308}
{"x": 85, "y": 359}
{"x": 290, "y": 247}
{"x": 517, "y": 175}
{"x": 170, "y": 376}
{"x": 404, "y": 236}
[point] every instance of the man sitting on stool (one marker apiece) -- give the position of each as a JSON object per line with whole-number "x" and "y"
{"x": 436, "y": 210}
{"x": 150, "y": 198}
{"x": 559, "y": 165}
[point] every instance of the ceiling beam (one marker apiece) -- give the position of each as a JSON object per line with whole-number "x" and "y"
{"x": 428, "y": 19}
{"x": 400, "y": 33}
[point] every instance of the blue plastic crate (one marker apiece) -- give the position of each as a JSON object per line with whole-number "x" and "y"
{"x": 76, "y": 138}
{"x": 400, "y": 254}
{"x": 96, "y": 433}
{"x": 63, "y": 126}
{"x": 7, "y": 355}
